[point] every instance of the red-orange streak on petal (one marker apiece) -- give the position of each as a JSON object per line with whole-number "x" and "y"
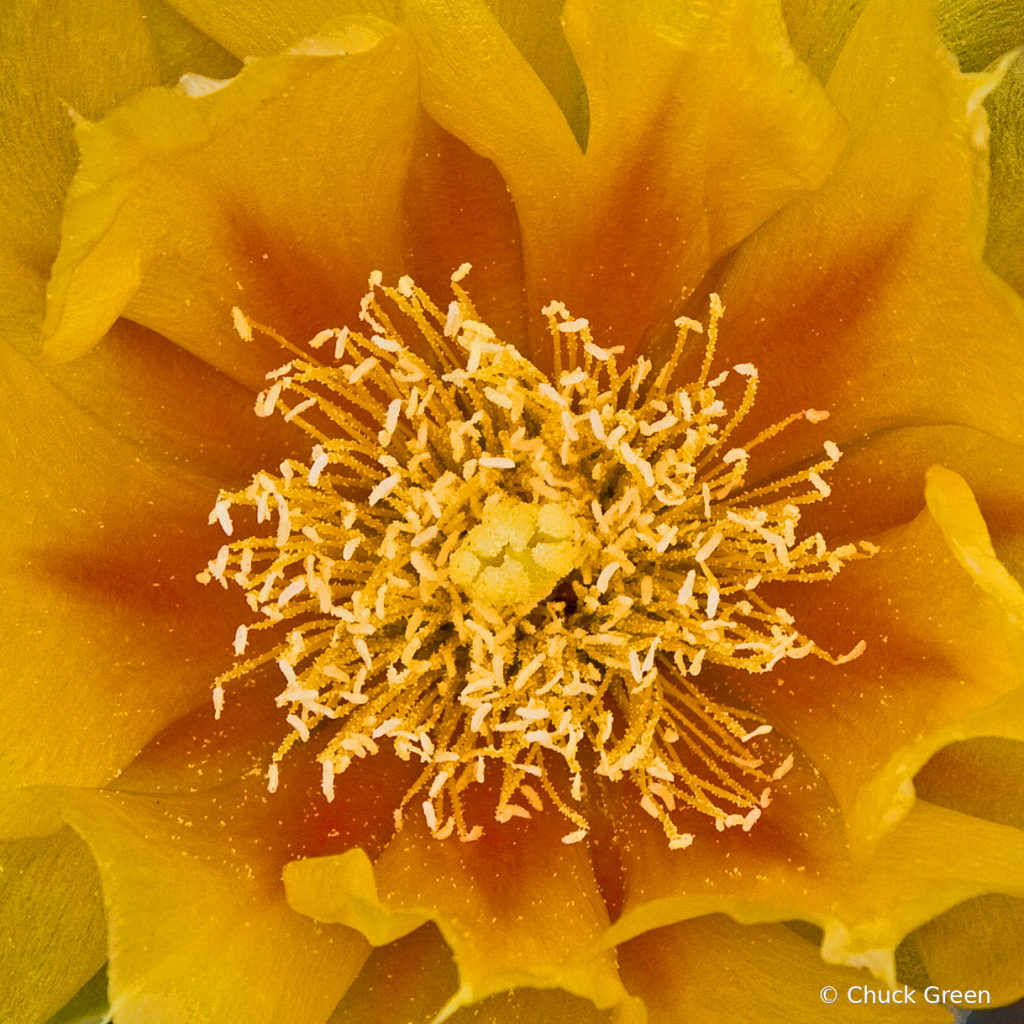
{"x": 809, "y": 336}
{"x": 218, "y": 767}
{"x": 457, "y": 210}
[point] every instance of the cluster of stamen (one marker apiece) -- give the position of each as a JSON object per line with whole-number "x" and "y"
{"x": 495, "y": 570}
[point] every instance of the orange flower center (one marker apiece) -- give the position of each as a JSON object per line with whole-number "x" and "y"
{"x": 498, "y": 571}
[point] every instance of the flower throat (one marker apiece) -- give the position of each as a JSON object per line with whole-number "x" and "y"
{"x": 498, "y": 571}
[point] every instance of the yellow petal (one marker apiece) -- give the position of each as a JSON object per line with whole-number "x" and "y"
{"x": 553, "y": 1006}
{"x": 536, "y": 31}
{"x": 343, "y": 888}
{"x": 920, "y": 684}
{"x": 782, "y": 869}
{"x": 978, "y": 32}
{"x": 880, "y": 485}
{"x": 54, "y": 65}
{"x": 410, "y": 980}
{"x": 183, "y": 206}
{"x": 507, "y": 922}
{"x": 668, "y": 181}
{"x": 51, "y": 915}
{"x": 933, "y": 859}
{"x": 983, "y": 777}
{"x": 819, "y": 29}
{"x": 712, "y": 970}
{"x": 100, "y": 554}
{"x": 894, "y": 320}
{"x": 956, "y": 511}
{"x": 746, "y": 154}
{"x": 457, "y": 209}
{"x": 977, "y": 945}
{"x": 231, "y": 950}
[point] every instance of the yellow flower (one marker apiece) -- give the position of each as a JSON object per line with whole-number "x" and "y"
{"x": 627, "y": 163}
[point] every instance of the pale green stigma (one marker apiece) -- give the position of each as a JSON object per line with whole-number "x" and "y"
{"x": 516, "y": 555}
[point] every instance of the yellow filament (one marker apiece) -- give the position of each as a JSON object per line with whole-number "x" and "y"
{"x": 486, "y": 566}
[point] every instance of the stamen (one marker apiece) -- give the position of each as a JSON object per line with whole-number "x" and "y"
{"x": 488, "y": 568}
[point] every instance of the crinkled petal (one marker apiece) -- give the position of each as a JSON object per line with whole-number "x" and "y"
{"x": 56, "y": 61}
{"x": 932, "y": 860}
{"x": 894, "y": 320}
{"x": 508, "y": 921}
{"x": 265, "y": 29}
{"x": 51, "y": 917}
{"x": 668, "y": 181}
{"x": 197, "y": 764}
{"x": 500, "y": 925}
{"x": 920, "y": 684}
{"x": 711, "y": 970}
{"x": 183, "y": 206}
{"x": 232, "y": 950}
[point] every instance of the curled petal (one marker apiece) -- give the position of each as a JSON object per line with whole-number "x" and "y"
{"x": 232, "y": 950}
{"x": 919, "y": 685}
{"x": 506, "y": 923}
{"x": 171, "y": 182}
